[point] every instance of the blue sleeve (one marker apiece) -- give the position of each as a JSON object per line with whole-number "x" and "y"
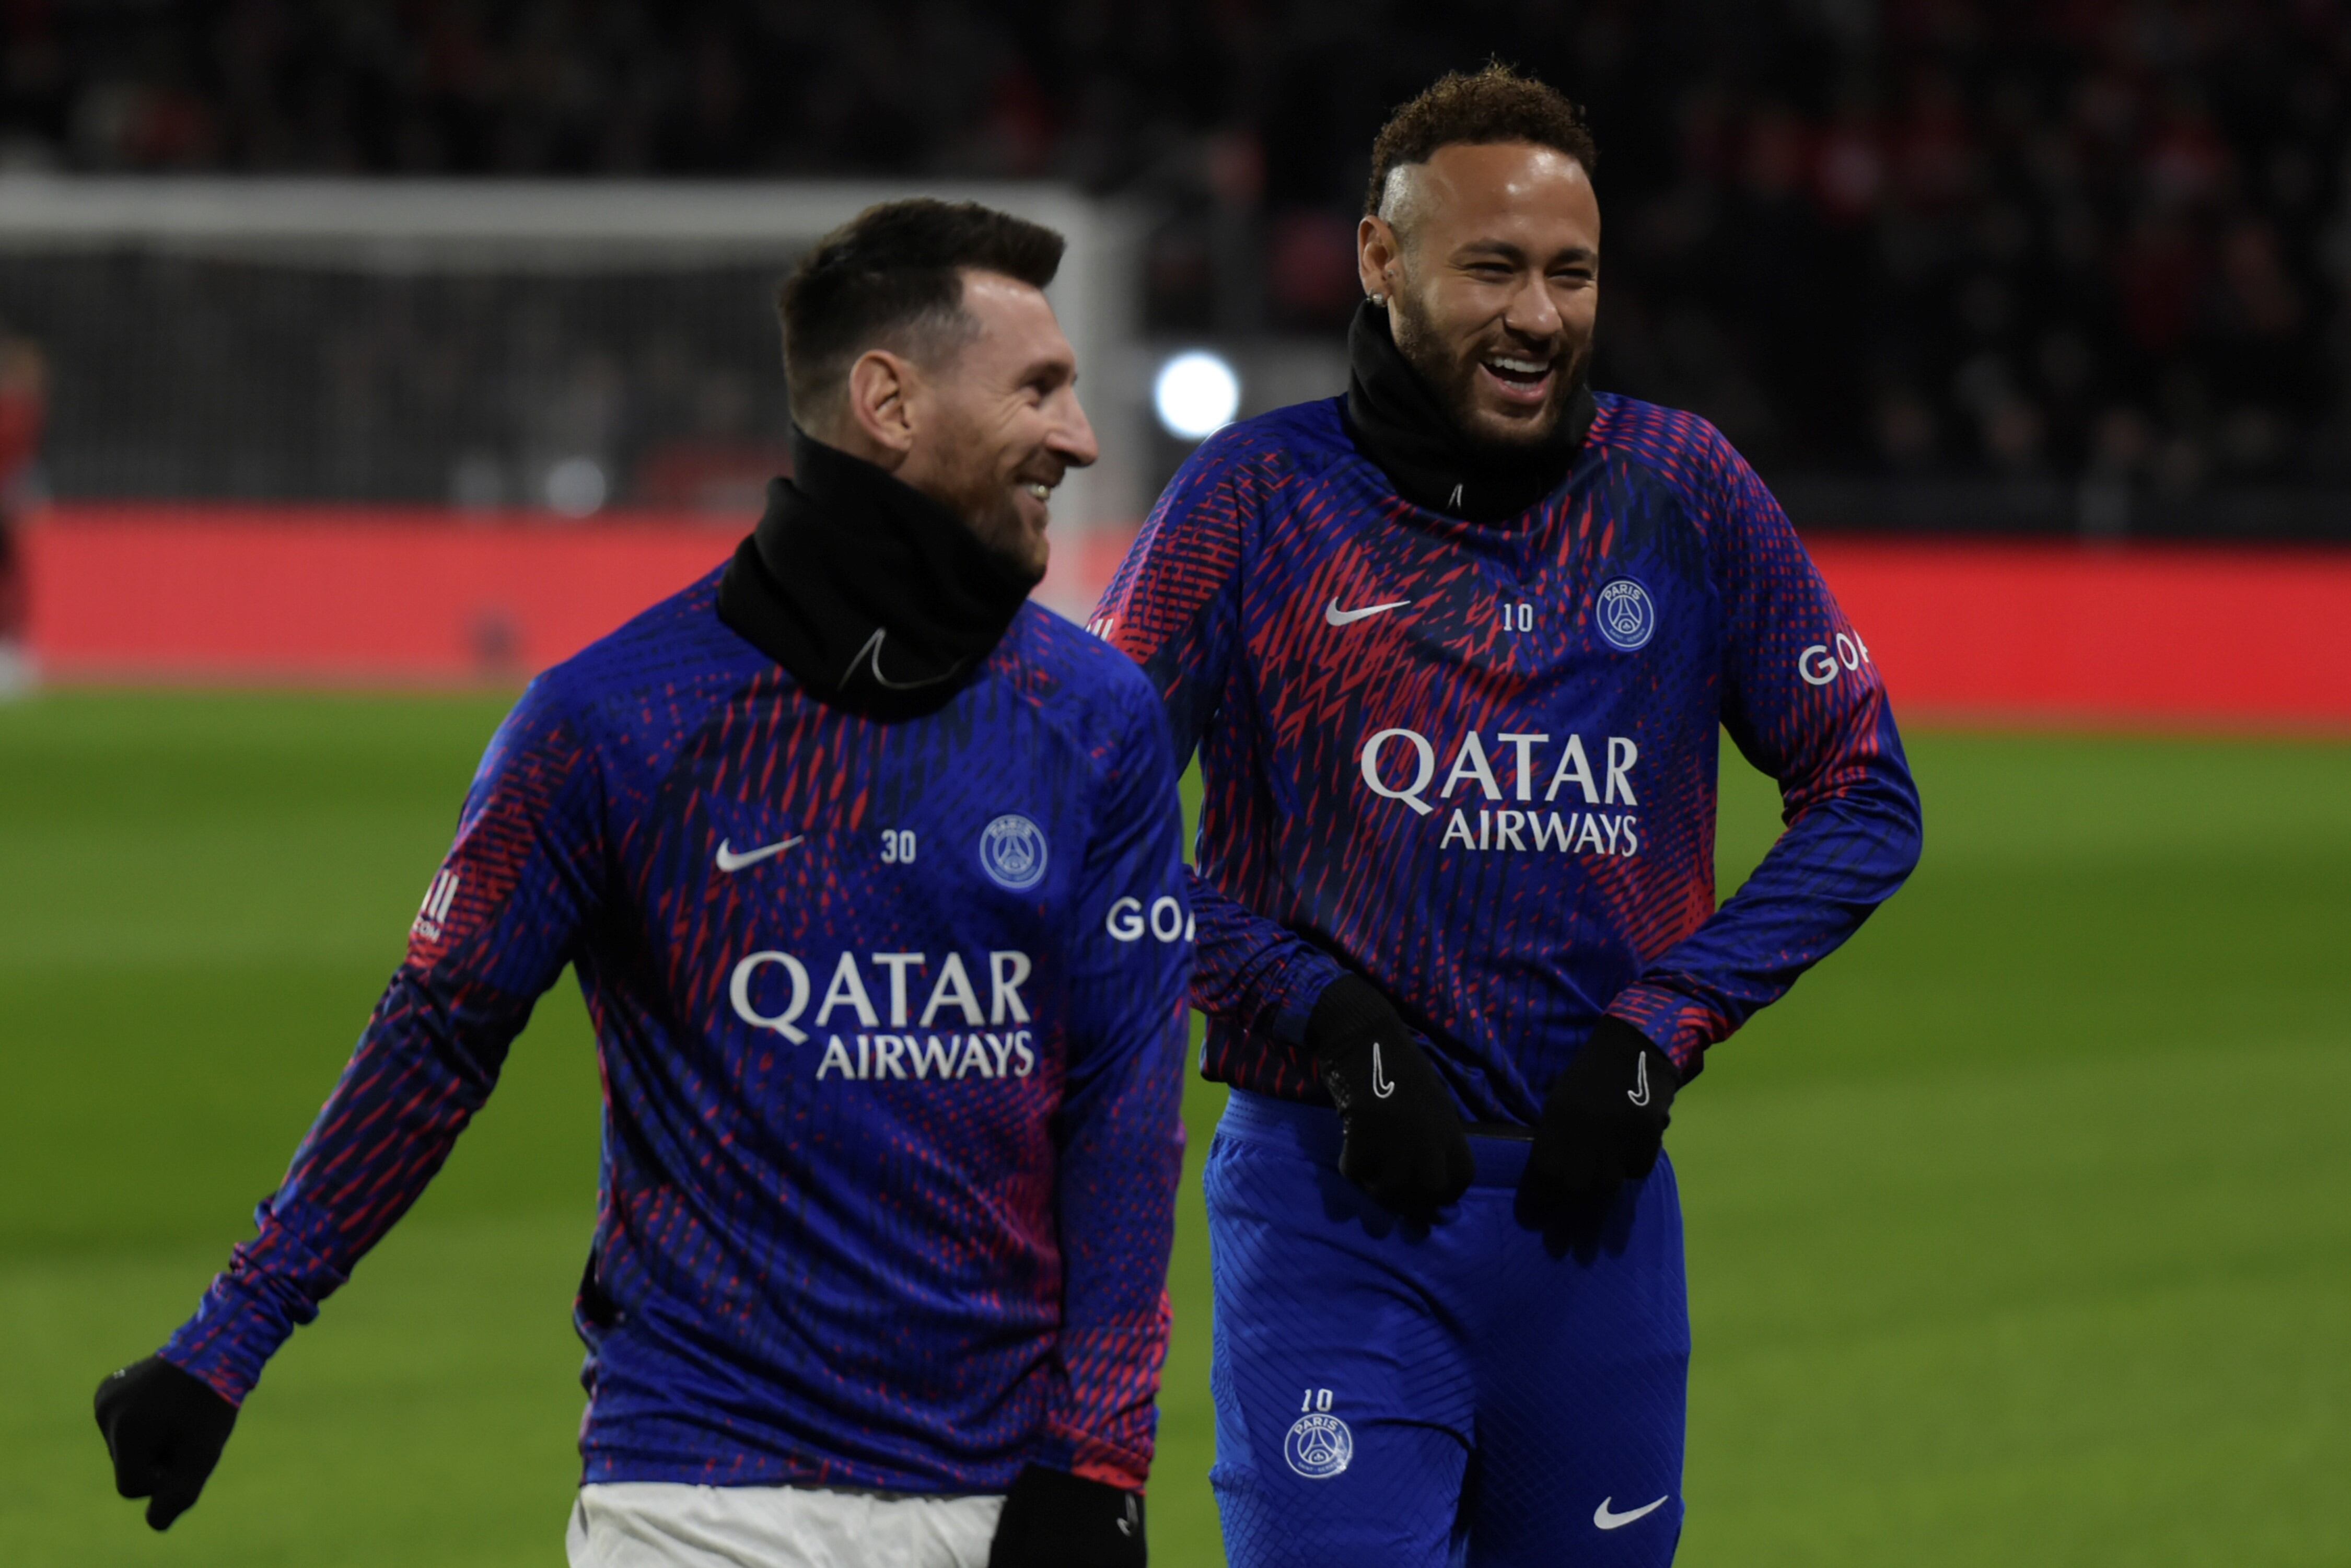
{"x": 497, "y": 924}
{"x": 1120, "y": 1126}
{"x": 1175, "y": 608}
{"x": 1805, "y": 703}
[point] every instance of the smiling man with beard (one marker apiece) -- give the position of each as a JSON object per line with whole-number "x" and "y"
{"x": 1456, "y": 648}
{"x": 871, "y": 873}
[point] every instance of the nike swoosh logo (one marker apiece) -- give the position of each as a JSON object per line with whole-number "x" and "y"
{"x": 1607, "y": 1521}
{"x": 1335, "y": 616}
{"x": 1639, "y": 1092}
{"x": 869, "y": 656}
{"x": 729, "y": 861}
{"x": 1381, "y": 1087}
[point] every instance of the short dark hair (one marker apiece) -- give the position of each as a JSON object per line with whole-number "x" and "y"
{"x": 1495, "y": 104}
{"x": 894, "y": 273}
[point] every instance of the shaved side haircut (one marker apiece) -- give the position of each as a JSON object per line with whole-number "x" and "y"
{"x": 1492, "y": 105}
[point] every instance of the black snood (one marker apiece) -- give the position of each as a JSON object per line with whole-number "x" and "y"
{"x": 875, "y": 597}
{"x": 1397, "y": 422}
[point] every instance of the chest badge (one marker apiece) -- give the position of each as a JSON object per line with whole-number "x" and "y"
{"x": 1013, "y": 853}
{"x": 1626, "y": 618}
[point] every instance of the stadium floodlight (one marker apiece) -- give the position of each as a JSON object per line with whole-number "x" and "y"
{"x": 576, "y": 486}
{"x": 1195, "y": 393}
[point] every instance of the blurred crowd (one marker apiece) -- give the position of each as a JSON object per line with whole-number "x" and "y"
{"x": 2053, "y": 238}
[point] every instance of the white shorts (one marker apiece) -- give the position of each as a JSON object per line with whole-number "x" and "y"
{"x": 655, "y": 1524}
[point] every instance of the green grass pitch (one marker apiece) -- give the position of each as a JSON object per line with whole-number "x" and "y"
{"x": 2019, "y": 1234}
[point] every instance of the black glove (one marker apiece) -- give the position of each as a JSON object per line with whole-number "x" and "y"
{"x": 165, "y": 1429}
{"x": 1606, "y": 1119}
{"x": 1052, "y": 1519}
{"x": 1403, "y": 1141}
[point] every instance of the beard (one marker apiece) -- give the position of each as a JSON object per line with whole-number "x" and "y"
{"x": 969, "y": 485}
{"x": 988, "y": 510}
{"x": 1451, "y": 372}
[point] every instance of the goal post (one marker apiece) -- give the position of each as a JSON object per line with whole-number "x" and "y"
{"x": 392, "y": 339}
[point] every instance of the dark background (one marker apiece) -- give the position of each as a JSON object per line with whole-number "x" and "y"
{"x": 1930, "y": 263}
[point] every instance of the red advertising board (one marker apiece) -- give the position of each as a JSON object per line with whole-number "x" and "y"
{"x": 2055, "y": 632}
{"x": 2169, "y": 635}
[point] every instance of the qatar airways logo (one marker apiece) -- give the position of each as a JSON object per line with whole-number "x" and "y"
{"x": 1402, "y": 764}
{"x": 765, "y": 979}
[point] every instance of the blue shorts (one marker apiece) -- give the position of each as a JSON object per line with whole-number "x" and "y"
{"x": 1470, "y": 1392}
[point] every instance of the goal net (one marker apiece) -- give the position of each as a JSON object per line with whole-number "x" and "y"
{"x": 575, "y": 348}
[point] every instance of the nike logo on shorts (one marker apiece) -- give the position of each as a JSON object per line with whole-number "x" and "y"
{"x": 1382, "y": 1087}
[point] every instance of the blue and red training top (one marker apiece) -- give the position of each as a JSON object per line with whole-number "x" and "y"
{"x": 1475, "y": 762}
{"x": 890, "y": 1019}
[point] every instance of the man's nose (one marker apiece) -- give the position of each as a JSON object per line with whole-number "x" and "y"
{"x": 1533, "y": 312}
{"x": 1071, "y": 438}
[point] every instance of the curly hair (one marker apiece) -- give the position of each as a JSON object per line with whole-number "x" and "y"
{"x": 1495, "y": 104}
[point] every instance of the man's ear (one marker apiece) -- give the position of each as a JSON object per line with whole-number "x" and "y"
{"x": 880, "y": 383}
{"x": 1379, "y": 258}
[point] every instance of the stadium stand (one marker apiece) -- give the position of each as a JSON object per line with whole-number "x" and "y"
{"x": 2072, "y": 263}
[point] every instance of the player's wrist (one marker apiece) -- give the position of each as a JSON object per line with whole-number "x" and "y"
{"x": 1603, "y": 1123}
{"x": 1402, "y": 1140}
{"x": 1615, "y": 1043}
{"x": 1055, "y": 1519}
{"x": 1621, "y": 1077}
{"x": 1350, "y": 1011}
{"x": 237, "y": 1329}
{"x": 1366, "y": 1055}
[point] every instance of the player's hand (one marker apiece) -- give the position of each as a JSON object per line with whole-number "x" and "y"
{"x": 1052, "y": 1519}
{"x": 1606, "y": 1119}
{"x": 165, "y": 1429}
{"x": 1402, "y": 1143}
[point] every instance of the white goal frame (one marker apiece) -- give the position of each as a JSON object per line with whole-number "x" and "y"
{"x": 401, "y": 226}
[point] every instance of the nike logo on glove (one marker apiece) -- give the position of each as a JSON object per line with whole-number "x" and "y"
{"x": 1335, "y": 616}
{"x": 1639, "y": 1092}
{"x": 1382, "y": 1087}
{"x": 729, "y": 861}
{"x": 1607, "y": 1521}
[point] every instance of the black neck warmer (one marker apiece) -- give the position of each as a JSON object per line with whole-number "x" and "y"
{"x": 875, "y": 597}
{"x": 1397, "y": 422}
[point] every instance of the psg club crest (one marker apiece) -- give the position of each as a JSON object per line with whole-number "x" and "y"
{"x": 1012, "y": 852}
{"x": 1626, "y": 617}
{"x": 1318, "y": 1446}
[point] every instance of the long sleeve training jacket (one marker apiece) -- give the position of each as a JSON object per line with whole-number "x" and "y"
{"x": 1475, "y": 761}
{"x": 889, "y": 1019}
